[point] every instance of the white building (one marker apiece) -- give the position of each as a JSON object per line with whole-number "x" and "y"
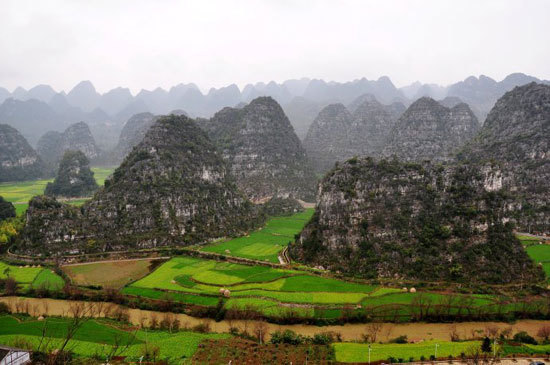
{"x": 13, "y": 356}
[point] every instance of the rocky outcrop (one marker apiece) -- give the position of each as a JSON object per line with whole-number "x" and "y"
{"x": 336, "y": 134}
{"x": 77, "y": 137}
{"x": 389, "y": 219}
{"x": 74, "y": 177}
{"x": 516, "y": 134}
{"x": 172, "y": 189}
{"x": 264, "y": 153}
{"x": 429, "y": 131}
{"x": 18, "y": 160}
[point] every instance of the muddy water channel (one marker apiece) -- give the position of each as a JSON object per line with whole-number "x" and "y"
{"x": 349, "y": 332}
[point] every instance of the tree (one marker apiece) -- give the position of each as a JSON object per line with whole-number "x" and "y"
{"x": 486, "y": 345}
{"x": 372, "y": 331}
{"x": 7, "y": 210}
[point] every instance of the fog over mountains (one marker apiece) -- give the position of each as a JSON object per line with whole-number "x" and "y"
{"x": 41, "y": 109}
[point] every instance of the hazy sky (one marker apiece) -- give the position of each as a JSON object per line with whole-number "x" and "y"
{"x": 145, "y": 44}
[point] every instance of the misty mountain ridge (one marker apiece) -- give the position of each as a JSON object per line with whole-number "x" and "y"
{"x": 301, "y": 99}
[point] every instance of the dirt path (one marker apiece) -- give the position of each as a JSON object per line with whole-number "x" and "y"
{"x": 105, "y": 261}
{"x": 544, "y": 238}
{"x": 350, "y": 332}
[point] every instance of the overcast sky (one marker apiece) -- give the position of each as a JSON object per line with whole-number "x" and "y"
{"x": 145, "y": 44}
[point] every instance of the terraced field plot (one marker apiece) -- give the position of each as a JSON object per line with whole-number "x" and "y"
{"x": 358, "y": 352}
{"x": 97, "y": 338}
{"x": 114, "y": 274}
{"x": 276, "y": 292}
{"x": 21, "y": 192}
{"x": 540, "y": 253}
{"x": 266, "y": 243}
{"x": 249, "y": 285}
{"x": 32, "y": 277}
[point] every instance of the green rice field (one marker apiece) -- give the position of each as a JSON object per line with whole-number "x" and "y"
{"x": 276, "y": 292}
{"x": 358, "y": 352}
{"x": 540, "y": 253}
{"x": 96, "y": 338}
{"x": 32, "y": 277}
{"x": 21, "y": 192}
{"x": 264, "y": 244}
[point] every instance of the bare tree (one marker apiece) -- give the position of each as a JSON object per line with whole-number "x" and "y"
{"x": 507, "y": 332}
{"x": 372, "y": 330}
{"x": 79, "y": 314}
{"x": 491, "y": 331}
{"x": 260, "y": 331}
{"x": 453, "y": 333}
{"x": 544, "y": 333}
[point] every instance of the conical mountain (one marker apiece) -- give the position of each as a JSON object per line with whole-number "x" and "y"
{"x": 132, "y": 133}
{"x": 77, "y": 137}
{"x": 429, "y": 131}
{"x": 337, "y": 135}
{"x": 264, "y": 153}
{"x": 327, "y": 139}
{"x": 18, "y": 160}
{"x": 173, "y": 188}
{"x": 516, "y": 136}
{"x": 74, "y": 177}
{"x": 420, "y": 221}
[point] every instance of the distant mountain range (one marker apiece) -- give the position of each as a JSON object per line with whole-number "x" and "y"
{"x": 41, "y": 108}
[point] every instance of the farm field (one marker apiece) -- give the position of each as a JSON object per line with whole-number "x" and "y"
{"x": 266, "y": 243}
{"x": 96, "y": 338}
{"x": 540, "y": 253}
{"x": 32, "y": 277}
{"x": 358, "y": 352}
{"x": 277, "y": 292}
{"x": 21, "y": 192}
{"x": 108, "y": 274}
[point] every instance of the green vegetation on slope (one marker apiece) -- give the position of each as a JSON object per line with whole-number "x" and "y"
{"x": 264, "y": 244}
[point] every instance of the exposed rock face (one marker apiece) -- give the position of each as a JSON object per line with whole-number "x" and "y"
{"x": 336, "y": 134}
{"x": 517, "y": 135}
{"x": 74, "y": 178}
{"x": 418, "y": 221}
{"x": 264, "y": 153}
{"x": 77, "y": 137}
{"x": 172, "y": 189}
{"x": 430, "y": 131}
{"x": 132, "y": 133}
{"x": 18, "y": 160}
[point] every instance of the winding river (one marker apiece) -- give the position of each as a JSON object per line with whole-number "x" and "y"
{"x": 349, "y": 332}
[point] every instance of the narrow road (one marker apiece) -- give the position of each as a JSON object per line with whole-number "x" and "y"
{"x": 107, "y": 261}
{"x": 544, "y": 238}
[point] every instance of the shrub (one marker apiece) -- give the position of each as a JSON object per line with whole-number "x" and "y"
{"x": 400, "y": 339}
{"x": 524, "y": 337}
{"x": 288, "y": 337}
{"x": 4, "y": 308}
